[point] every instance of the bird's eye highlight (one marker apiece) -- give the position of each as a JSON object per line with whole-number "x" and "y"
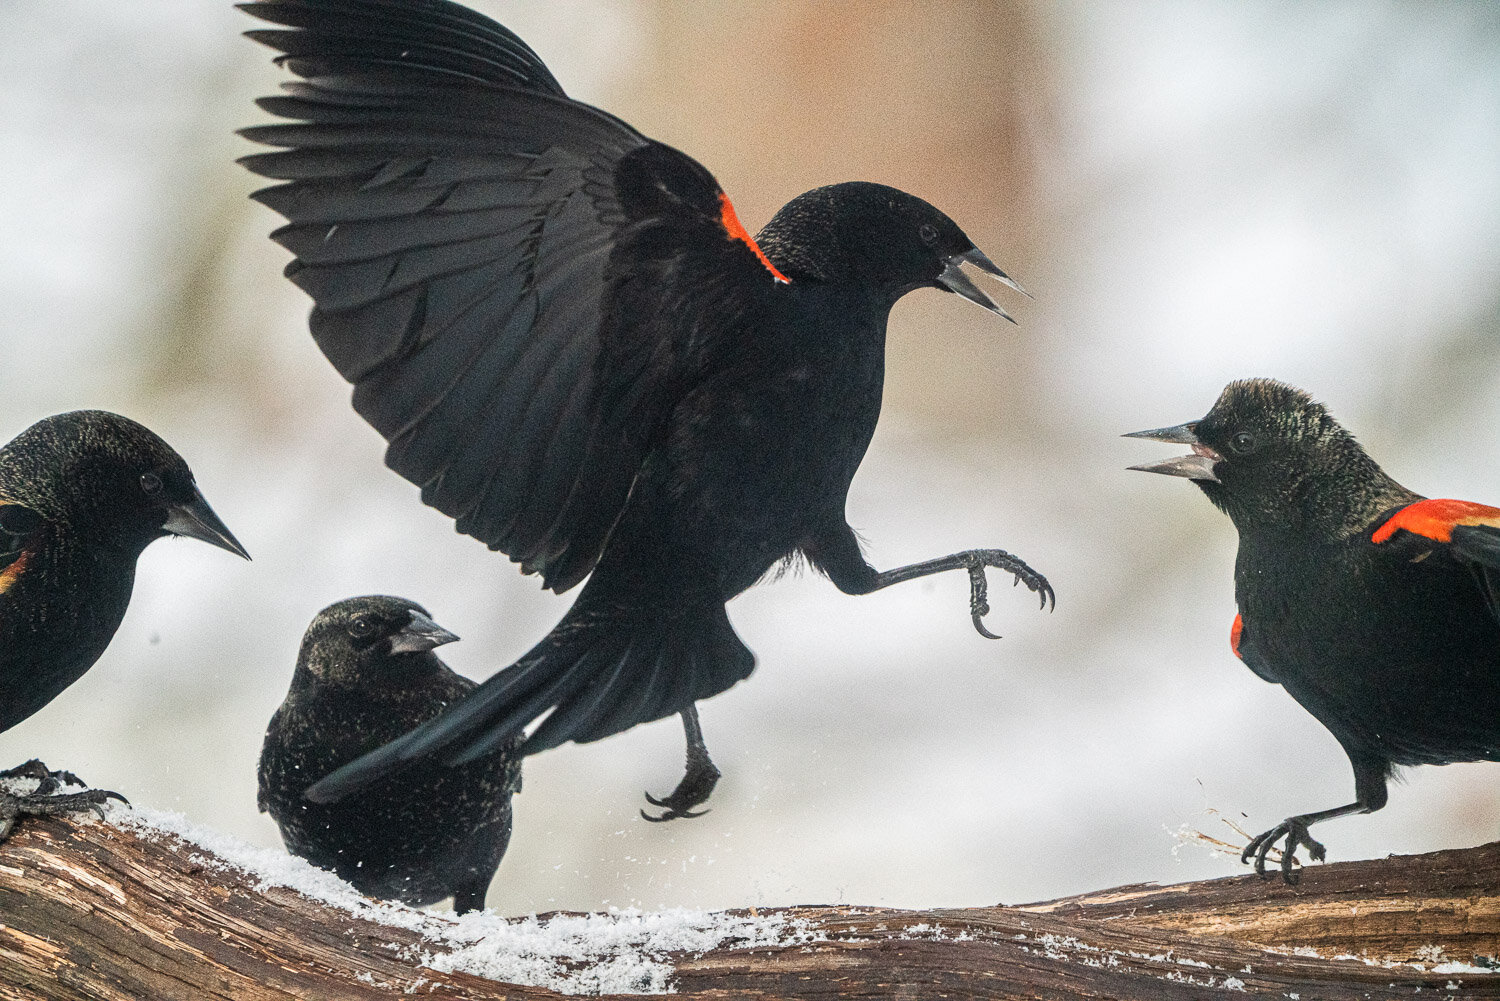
{"x": 361, "y": 627}
{"x": 928, "y": 233}
{"x": 1243, "y": 442}
{"x": 151, "y": 483}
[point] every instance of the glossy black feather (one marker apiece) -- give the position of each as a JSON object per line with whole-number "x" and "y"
{"x": 1387, "y": 635}
{"x": 577, "y": 353}
{"x": 424, "y": 833}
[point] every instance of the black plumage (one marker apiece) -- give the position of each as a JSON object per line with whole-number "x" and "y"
{"x": 1374, "y": 607}
{"x": 366, "y": 674}
{"x": 575, "y": 349}
{"x": 82, "y": 494}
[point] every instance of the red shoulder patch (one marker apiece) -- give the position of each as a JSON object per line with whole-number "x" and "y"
{"x": 1437, "y": 518}
{"x": 736, "y": 231}
{"x": 1235, "y": 632}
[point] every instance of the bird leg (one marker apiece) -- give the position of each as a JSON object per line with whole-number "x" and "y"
{"x": 45, "y": 800}
{"x": 1294, "y": 830}
{"x": 975, "y": 561}
{"x": 470, "y": 898}
{"x": 697, "y": 782}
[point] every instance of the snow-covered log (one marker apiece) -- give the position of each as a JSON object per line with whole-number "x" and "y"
{"x": 145, "y": 907}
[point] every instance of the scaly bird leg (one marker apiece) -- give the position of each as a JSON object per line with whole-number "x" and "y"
{"x": 838, "y": 556}
{"x": 1294, "y": 830}
{"x": 697, "y": 782}
{"x": 45, "y": 800}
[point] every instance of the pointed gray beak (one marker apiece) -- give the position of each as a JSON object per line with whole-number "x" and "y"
{"x": 1198, "y": 466}
{"x": 194, "y": 519}
{"x": 954, "y": 279}
{"x": 420, "y": 635}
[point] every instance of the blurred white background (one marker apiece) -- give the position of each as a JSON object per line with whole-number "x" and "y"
{"x": 1194, "y": 192}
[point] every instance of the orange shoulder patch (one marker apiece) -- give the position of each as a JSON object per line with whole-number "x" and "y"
{"x": 1437, "y": 518}
{"x": 736, "y": 231}
{"x": 1235, "y": 632}
{"x": 17, "y": 567}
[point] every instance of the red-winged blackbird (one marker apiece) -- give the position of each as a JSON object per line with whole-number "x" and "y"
{"x": 1374, "y": 607}
{"x": 366, "y": 675}
{"x": 577, "y": 351}
{"x": 82, "y": 494}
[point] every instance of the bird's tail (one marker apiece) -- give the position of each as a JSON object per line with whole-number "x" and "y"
{"x": 600, "y": 671}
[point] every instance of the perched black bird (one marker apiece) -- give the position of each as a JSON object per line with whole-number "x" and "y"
{"x": 366, "y": 675}
{"x": 1375, "y": 608}
{"x": 577, "y": 351}
{"x": 82, "y": 494}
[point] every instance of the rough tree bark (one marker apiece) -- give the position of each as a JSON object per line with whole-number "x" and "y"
{"x": 95, "y": 911}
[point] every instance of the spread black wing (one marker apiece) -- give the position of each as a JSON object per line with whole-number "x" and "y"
{"x": 515, "y": 282}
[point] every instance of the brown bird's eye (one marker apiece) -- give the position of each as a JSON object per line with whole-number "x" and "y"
{"x": 151, "y": 483}
{"x": 1243, "y": 442}
{"x": 928, "y": 232}
{"x": 361, "y": 627}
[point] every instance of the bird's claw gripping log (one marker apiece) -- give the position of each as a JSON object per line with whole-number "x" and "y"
{"x": 1295, "y": 832}
{"x": 45, "y": 802}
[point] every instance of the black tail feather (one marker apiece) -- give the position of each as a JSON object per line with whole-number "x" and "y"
{"x": 600, "y": 672}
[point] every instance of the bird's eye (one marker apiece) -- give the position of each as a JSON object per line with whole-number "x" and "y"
{"x": 1243, "y": 442}
{"x": 151, "y": 483}
{"x": 361, "y": 627}
{"x": 928, "y": 233}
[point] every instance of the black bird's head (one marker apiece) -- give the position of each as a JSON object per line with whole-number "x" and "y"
{"x": 1269, "y": 456}
{"x": 370, "y": 641}
{"x": 879, "y": 236}
{"x": 108, "y": 481}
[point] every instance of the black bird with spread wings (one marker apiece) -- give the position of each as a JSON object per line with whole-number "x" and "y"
{"x": 1374, "y": 607}
{"x": 576, "y": 350}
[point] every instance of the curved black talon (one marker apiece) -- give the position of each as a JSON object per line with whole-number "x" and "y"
{"x": 978, "y": 560}
{"x": 37, "y": 769}
{"x": 694, "y": 789}
{"x": 670, "y": 812}
{"x": 1294, "y": 830}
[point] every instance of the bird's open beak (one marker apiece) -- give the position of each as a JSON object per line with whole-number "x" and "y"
{"x": 954, "y": 279}
{"x": 194, "y": 519}
{"x": 420, "y": 635}
{"x": 1198, "y": 466}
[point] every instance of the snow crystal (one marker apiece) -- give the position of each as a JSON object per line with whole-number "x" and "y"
{"x": 621, "y": 952}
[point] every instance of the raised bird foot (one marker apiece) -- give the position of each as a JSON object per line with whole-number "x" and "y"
{"x": 1294, "y": 830}
{"x": 45, "y": 800}
{"x": 696, "y": 786}
{"x": 976, "y": 560}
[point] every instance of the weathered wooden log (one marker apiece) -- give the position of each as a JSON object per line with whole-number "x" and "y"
{"x": 107, "y": 911}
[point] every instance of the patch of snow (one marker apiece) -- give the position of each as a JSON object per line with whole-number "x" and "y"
{"x": 621, "y": 952}
{"x": 1453, "y": 966}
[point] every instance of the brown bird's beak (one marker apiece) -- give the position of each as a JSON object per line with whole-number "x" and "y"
{"x": 1198, "y": 466}
{"x": 194, "y": 519}
{"x": 954, "y": 279}
{"x": 420, "y": 635}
